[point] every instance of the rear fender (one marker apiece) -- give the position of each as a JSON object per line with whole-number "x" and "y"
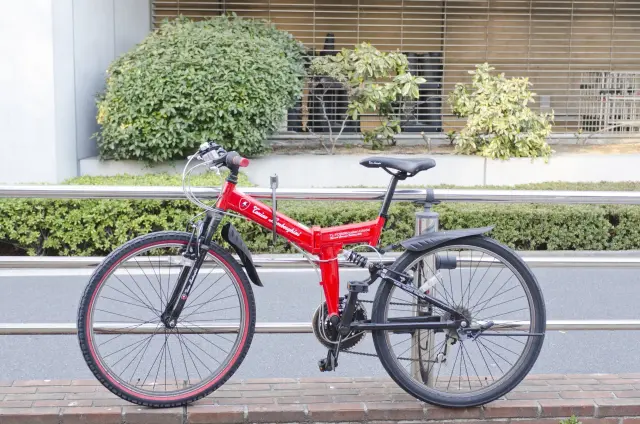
{"x": 427, "y": 241}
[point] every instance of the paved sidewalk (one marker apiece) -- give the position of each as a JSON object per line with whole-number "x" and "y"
{"x": 544, "y": 399}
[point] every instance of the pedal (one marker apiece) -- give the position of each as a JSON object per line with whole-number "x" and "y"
{"x": 329, "y": 363}
{"x": 322, "y": 364}
{"x": 357, "y": 287}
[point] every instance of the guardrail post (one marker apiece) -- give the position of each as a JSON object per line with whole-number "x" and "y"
{"x": 426, "y": 222}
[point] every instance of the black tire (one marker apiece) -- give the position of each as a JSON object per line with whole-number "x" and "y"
{"x": 500, "y": 387}
{"x": 203, "y": 388}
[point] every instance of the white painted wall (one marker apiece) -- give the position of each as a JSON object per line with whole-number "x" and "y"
{"x": 27, "y": 104}
{"x": 103, "y": 30}
{"x": 53, "y": 58}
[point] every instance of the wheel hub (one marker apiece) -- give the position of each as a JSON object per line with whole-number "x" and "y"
{"x": 455, "y": 333}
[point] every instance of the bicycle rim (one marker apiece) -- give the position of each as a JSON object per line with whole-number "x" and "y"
{"x": 147, "y": 360}
{"x": 454, "y": 368}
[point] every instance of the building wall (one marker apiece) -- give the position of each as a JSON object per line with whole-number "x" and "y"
{"x": 103, "y": 30}
{"x": 50, "y": 75}
{"x": 27, "y": 92}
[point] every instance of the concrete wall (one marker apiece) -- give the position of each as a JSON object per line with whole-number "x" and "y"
{"x": 103, "y": 30}
{"x": 54, "y": 57}
{"x": 27, "y": 91}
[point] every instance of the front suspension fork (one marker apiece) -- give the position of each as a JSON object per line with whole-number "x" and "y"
{"x": 193, "y": 258}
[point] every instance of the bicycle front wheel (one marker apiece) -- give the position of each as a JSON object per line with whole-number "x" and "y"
{"x": 128, "y": 348}
{"x": 497, "y": 294}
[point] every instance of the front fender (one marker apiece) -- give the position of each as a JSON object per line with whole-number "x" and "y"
{"x": 231, "y": 236}
{"x": 430, "y": 240}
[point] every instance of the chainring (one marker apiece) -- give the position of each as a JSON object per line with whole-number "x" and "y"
{"x": 328, "y": 336}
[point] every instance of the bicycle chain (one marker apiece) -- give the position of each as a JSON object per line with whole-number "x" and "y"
{"x": 364, "y": 353}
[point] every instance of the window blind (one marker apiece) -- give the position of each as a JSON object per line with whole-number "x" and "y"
{"x": 582, "y": 56}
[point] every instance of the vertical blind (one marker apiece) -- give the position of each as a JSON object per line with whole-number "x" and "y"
{"x": 582, "y": 56}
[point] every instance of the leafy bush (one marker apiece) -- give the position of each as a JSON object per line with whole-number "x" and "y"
{"x": 224, "y": 79}
{"x": 499, "y": 125}
{"x": 95, "y": 227}
{"x": 571, "y": 420}
{"x": 374, "y": 82}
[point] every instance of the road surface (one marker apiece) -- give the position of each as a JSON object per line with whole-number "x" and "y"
{"x": 293, "y": 295}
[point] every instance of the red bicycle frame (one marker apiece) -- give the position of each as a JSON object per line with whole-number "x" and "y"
{"x": 326, "y": 243}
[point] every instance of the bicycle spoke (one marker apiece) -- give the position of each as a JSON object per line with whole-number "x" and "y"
{"x": 151, "y": 308}
{"x": 185, "y": 359}
{"x": 502, "y": 347}
{"x": 464, "y": 350}
{"x": 486, "y": 302}
{"x": 206, "y": 290}
{"x": 121, "y": 349}
{"x": 158, "y": 277}
{"x": 137, "y": 285}
{"x": 483, "y": 275}
{"x": 211, "y": 311}
{"x": 204, "y": 338}
{"x": 145, "y": 351}
{"x": 453, "y": 368}
{"x": 151, "y": 367}
{"x": 125, "y": 302}
{"x": 175, "y": 376}
{"x": 133, "y": 327}
{"x": 135, "y": 356}
{"x": 502, "y": 314}
{"x": 120, "y": 315}
{"x": 211, "y": 300}
{"x": 191, "y": 353}
{"x": 502, "y": 303}
{"x": 487, "y": 289}
{"x": 202, "y": 350}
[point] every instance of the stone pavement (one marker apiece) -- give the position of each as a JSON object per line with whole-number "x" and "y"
{"x": 540, "y": 399}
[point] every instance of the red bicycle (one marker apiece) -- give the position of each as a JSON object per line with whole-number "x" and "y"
{"x": 457, "y": 320}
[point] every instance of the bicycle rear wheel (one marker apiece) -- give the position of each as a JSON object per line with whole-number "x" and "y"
{"x": 489, "y": 285}
{"x": 128, "y": 348}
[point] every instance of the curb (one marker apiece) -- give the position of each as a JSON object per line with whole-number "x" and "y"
{"x": 545, "y": 399}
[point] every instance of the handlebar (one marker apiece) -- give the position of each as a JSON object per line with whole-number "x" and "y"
{"x": 215, "y": 153}
{"x": 233, "y": 159}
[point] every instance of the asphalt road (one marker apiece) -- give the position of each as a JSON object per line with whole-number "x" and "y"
{"x": 293, "y": 295}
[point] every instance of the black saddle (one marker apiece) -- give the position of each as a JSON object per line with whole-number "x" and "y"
{"x": 407, "y": 166}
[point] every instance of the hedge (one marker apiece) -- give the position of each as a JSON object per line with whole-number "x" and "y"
{"x": 95, "y": 227}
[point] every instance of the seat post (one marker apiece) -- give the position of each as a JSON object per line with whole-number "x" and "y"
{"x": 389, "y": 196}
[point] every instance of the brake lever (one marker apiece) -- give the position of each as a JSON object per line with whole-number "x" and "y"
{"x": 216, "y": 169}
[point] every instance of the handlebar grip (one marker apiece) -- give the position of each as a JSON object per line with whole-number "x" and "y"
{"x": 235, "y": 160}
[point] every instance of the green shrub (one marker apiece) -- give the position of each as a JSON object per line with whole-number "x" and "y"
{"x": 224, "y": 79}
{"x": 571, "y": 420}
{"x": 95, "y": 227}
{"x": 500, "y": 124}
{"x": 374, "y": 82}
{"x": 534, "y": 227}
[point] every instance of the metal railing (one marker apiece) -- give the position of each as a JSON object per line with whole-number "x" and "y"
{"x": 333, "y": 194}
{"x": 534, "y": 259}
